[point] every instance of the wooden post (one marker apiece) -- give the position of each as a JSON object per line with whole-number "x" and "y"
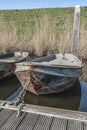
{"x": 76, "y": 32}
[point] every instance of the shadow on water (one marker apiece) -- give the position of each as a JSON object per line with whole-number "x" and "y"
{"x": 8, "y": 86}
{"x": 68, "y": 99}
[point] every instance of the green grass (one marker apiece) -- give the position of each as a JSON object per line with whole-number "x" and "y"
{"x": 35, "y": 13}
{"x": 29, "y": 18}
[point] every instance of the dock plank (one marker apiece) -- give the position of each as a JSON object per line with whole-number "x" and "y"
{"x": 59, "y": 124}
{"x": 32, "y": 121}
{"x": 4, "y": 116}
{"x": 43, "y": 123}
{"x": 28, "y": 122}
{"x": 85, "y": 126}
{"x": 74, "y": 125}
{"x": 48, "y": 111}
{"x": 13, "y": 122}
{"x": 41, "y": 118}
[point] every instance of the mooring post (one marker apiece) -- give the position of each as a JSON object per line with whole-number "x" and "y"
{"x": 76, "y": 32}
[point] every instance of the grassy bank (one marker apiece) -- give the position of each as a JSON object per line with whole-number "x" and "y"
{"x": 41, "y": 31}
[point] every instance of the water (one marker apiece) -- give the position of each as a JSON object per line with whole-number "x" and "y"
{"x": 8, "y": 86}
{"x": 69, "y": 99}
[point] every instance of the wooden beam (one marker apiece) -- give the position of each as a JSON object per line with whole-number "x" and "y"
{"x": 47, "y": 111}
{"x": 76, "y": 32}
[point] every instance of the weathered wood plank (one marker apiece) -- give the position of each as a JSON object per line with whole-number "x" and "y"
{"x": 55, "y": 112}
{"x": 4, "y": 116}
{"x": 43, "y": 123}
{"x": 28, "y": 122}
{"x": 13, "y": 122}
{"x": 9, "y": 121}
{"x": 84, "y": 126}
{"x": 74, "y": 125}
{"x": 50, "y": 112}
{"x": 76, "y": 32}
{"x": 59, "y": 124}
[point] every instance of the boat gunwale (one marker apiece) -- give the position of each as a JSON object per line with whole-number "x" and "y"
{"x": 4, "y": 57}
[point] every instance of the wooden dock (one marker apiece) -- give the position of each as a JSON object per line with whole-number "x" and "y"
{"x": 41, "y": 118}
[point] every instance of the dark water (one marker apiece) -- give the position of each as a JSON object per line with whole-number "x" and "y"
{"x": 69, "y": 99}
{"x": 8, "y": 86}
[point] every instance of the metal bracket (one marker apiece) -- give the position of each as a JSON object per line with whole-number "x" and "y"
{"x": 19, "y": 99}
{"x": 17, "y": 102}
{"x": 19, "y": 110}
{"x": 6, "y": 105}
{"x": 3, "y": 104}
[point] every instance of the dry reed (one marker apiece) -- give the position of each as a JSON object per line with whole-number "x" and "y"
{"x": 47, "y": 36}
{"x": 45, "y": 40}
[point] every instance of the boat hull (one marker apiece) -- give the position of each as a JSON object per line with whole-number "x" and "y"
{"x": 53, "y": 65}
{"x": 49, "y": 74}
{"x": 44, "y": 84}
{"x": 7, "y": 62}
{"x": 6, "y": 70}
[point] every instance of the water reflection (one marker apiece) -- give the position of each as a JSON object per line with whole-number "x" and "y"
{"x": 69, "y": 99}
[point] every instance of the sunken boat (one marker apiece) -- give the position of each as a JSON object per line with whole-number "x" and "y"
{"x": 8, "y": 60}
{"x": 49, "y": 74}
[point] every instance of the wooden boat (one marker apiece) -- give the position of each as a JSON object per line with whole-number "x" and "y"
{"x": 7, "y": 62}
{"x": 49, "y": 74}
{"x": 59, "y": 65}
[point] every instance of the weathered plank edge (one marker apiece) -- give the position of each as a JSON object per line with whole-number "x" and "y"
{"x": 48, "y": 111}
